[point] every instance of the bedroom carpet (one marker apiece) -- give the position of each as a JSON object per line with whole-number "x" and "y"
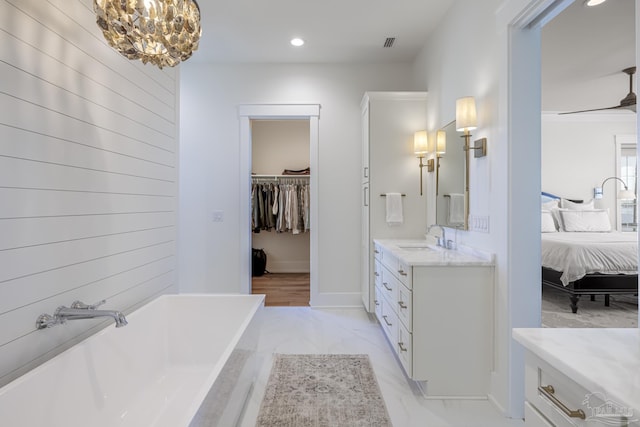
{"x": 556, "y": 313}
{"x": 331, "y": 390}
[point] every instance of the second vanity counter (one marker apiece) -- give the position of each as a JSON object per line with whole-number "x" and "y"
{"x": 435, "y": 307}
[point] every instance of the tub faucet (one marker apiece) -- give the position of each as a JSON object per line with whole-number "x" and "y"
{"x": 79, "y": 310}
{"x": 441, "y": 241}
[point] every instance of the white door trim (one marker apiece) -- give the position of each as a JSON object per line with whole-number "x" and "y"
{"x": 518, "y": 24}
{"x": 246, "y": 113}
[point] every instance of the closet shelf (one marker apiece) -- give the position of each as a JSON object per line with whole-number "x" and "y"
{"x": 280, "y": 176}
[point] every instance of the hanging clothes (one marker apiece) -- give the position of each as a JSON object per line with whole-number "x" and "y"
{"x": 280, "y": 204}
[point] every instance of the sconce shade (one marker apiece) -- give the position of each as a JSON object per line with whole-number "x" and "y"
{"x": 626, "y": 195}
{"x": 466, "y": 118}
{"x": 441, "y": 142}
{"x": 623, "y": 194}
{"x": 420, "y": 143}
{"x": 162, "y": 32}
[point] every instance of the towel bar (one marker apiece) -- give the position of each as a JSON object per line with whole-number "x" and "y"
{"x": 384, "y": 195}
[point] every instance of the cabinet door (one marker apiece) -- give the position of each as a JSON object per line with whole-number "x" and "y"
{"x": 405, "y": 350}
{"x": 405, "y": 306}
{"x": 364, "y": 170}
{"x": 366, "y": 284}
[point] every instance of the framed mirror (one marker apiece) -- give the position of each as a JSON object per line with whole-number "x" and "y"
{"x": 451, "y": 203}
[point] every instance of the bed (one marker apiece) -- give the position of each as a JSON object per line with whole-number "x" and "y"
{"x": 582, "y": 256}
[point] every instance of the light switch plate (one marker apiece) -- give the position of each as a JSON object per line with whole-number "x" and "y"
{"x": 479, "y": 223}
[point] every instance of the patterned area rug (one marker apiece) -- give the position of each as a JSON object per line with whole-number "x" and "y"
{"x": 334, "y": 390}
{"x": 556, "y": 313}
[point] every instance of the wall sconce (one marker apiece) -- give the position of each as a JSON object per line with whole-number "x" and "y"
{"x": 625, "y": 194}
{"x": 421, "y": 149}
{"x": 441, "y": 149}
{"x": 466, "y": 121}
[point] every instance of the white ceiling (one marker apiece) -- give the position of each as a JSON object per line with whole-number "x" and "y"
{"x": 343, "y": 31}
{"x": 583, "y": 49}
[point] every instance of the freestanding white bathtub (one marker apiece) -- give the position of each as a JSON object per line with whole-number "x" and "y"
{"x": 177, "y": 352}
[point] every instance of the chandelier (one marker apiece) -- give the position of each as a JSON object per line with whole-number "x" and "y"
{"x": 162, "y": 32}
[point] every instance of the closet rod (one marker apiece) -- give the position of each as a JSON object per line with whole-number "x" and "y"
{"x": 280, "y": 176}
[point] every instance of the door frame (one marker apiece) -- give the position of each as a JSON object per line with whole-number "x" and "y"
{"x": 519, "y": 23}
{"x": 246, "y": 113}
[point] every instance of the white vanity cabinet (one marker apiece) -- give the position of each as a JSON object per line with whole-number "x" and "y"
{"x": 437, "y": 315}
{"x": 571, "y": 378}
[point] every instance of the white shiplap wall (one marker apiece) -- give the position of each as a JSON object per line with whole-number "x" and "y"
{"x": 88, "y": 177}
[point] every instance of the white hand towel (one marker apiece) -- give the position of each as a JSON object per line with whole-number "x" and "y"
{"x": 456, "y": 209}
{"x": 394, "y": 209}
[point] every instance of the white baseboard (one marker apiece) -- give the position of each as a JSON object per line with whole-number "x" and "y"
{"x": 497, "y": 405}
{"x": 336, "y": 299}
{"x": 288, "y": 267}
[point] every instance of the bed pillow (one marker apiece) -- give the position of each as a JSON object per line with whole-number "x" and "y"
{"x": 568, "y": 204}
{"x": 548, "y": 224}
{"x": 585, "y": 220}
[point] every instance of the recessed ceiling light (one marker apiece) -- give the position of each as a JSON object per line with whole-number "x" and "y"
{"x": 297, "y": 42}
{"x": 593, "y": 2}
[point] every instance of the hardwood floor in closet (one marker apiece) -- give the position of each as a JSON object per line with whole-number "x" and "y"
{"x": 283, "y": 289}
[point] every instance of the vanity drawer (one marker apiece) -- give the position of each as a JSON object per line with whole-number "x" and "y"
{"x": 405, "y": 349}
{"x": 389, "y": 322}
{"x": 405, "y": 273}
{"x": 533, "y": 418}
{"x": 563, "y": 402}
{"x": 389, "y": 289}
{"x": 378, "y": 301}
{"x": 390, "y": 262}
{"x": 405, "y": 305}
{"x": 377, "y": 273}
{"x": 378, "y": 253}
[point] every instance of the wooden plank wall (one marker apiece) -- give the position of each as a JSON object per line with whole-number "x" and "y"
{"x": 88, "y": 177}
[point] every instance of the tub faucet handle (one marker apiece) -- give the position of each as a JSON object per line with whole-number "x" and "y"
{"x": 81, "y": 305}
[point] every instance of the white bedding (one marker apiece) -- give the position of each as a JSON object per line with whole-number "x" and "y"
{"x": 577, "y": 254}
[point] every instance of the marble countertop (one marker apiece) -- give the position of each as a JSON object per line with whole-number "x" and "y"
{"x": 418, "y": 252}
{"x": 600, "y": 360}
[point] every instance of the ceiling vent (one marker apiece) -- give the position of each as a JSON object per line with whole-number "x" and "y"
{"x": 389, "y": 41}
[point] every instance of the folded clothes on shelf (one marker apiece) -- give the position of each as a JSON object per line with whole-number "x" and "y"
{"x": 306, "y": 171}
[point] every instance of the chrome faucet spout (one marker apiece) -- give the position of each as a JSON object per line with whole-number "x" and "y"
{"x": 66, "y": 313}
{"x": 441, "y": 241}
{"x": 77, "y": 311}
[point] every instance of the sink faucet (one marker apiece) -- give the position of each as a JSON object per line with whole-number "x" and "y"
{"x": 79, "y": 310}
{"x": 441, "y": 241}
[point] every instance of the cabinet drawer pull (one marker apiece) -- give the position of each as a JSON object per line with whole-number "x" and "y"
{"x": 402, "y": 273}
{"x": 402, "y": 347}
{"x": 375, "y": 251}
{"x": 402, "y": 304}
{"x": 375, "y": 273}
{"x": 376, "y": 302}
{"x": 548, "y": 392}
{"x": 386, "y": 321}
{"x": 386, "y": 287}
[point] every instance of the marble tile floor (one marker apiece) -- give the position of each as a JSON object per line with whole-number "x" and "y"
{"x": 303, "y": 330}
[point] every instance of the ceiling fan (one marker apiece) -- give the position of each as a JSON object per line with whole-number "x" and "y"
{"x": 629, "y": 101}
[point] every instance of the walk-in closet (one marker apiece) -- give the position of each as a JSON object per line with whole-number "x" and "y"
{"x": 280, "y": 211}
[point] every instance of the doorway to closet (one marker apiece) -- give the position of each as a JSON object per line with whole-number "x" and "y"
{"x": 247, "y": 114}
{"x": 280, "y": 211}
